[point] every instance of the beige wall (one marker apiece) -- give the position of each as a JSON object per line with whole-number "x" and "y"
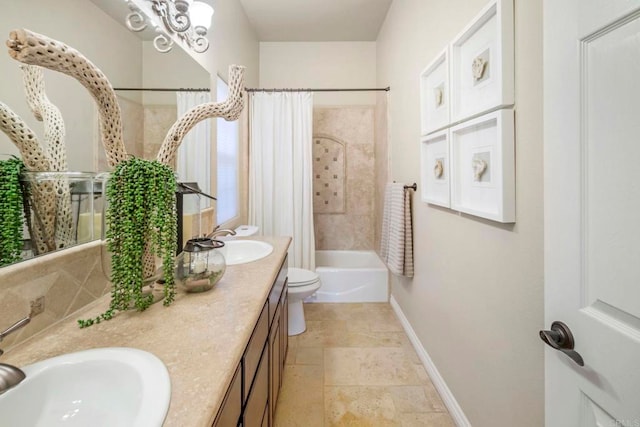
{"x": 235, "y": 42}
{"x": 476, "y": 301}
{"x": 321, "y": 65}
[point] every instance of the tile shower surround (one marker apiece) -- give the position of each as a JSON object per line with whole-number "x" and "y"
{"x": 347, "y": 220}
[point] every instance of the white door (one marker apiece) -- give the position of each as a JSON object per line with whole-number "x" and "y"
{"x": 592, "y": 209}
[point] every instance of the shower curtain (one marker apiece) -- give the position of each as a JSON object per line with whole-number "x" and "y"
{"x": 280, "y": 170}
{"x": 193, "y": 162}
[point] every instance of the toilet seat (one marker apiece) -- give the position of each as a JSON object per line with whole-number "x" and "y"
{"x": 301, "y": 277}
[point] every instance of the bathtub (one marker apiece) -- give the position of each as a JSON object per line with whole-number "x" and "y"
{"x": 351, "y": 276}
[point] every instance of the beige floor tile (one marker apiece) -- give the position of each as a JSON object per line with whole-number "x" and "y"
{"x": 301, "y": 400}
{"x": 313, "y": 311}
{"x": 313, "y": 336}
{"x": 291, "y": 356}
{"x": 385, "y": 322}
{"x": 416, "y": 399}
{"x": 433, "y": 397}
{"x": 434, "y": 419}
{"x": 359, "y": 406}
{"x": 310, "y": 356}
{"x": 355, "y": 366}
{"x": 368, "y": 366}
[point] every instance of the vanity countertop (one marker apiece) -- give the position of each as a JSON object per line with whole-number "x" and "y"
{"x": 200, "y": 337}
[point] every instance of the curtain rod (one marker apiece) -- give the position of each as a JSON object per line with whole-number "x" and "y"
{"x": 386, "y": 89}
{"x": 161, "y": 89}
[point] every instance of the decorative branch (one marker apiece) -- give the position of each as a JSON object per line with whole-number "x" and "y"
{"x": 54, "y": 146}
{"x": 36, "y": 49}
{"x": 229, "y": 109}
{"x": 35, "y": 160}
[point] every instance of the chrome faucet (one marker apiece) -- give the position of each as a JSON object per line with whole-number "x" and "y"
{"x": 223, "y": 232}
{"x": 11, "y": 376}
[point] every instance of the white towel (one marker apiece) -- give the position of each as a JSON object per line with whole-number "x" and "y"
{"x": 396, "y": 246}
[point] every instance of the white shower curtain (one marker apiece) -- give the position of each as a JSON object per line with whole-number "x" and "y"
{"x": 280, "y": 170}
{"x": 193, "y": 162}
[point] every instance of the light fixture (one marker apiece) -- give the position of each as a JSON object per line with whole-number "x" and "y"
{"x": 187, "y": 19}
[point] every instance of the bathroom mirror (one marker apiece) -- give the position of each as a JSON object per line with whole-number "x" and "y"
{"x": 96, "y": 28}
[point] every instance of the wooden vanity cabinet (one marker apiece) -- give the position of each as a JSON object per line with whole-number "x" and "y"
{"x": 250, "y": 400}
{"x": 231, "y": 409}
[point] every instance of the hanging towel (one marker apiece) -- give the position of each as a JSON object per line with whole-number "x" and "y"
{"x": 396, "y": 246}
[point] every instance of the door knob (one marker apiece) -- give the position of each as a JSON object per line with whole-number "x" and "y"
{"x": 561, "y": 339}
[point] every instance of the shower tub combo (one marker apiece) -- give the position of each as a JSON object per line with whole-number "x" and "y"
{"x": 351, "y": 276}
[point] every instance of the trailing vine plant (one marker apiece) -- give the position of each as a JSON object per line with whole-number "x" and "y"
{"x": 11, "y": 211}
{"x": 141, "y": 206}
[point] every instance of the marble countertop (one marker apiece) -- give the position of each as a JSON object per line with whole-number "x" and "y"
{"x": 200, "y": 337}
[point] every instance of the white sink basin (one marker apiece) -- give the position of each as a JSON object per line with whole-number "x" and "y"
{"x": 243, "y": 251}
{"x": 100, "y": 387}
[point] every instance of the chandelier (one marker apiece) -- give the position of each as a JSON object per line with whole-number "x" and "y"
{"x": 187, "y": 19}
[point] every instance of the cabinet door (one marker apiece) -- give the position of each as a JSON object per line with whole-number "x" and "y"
{"x": 231, "y": 408}
{"x": 265, "y": 416}
{"x": 254, "y": 350}
{"x": 275, "y": 347}
{"x": 259, "y": 394}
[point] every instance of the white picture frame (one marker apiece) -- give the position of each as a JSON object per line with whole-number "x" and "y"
{"x": 482, "y": 158}
{"x": 434, "y": 169}
{"x": 434, "y": 94}
{"x": 482, "y": 63}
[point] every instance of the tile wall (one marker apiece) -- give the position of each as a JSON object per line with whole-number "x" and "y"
{"x": 68, "y": 279}
{"x": 344, "y": 188}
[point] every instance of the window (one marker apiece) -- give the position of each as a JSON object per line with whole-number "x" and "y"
{"x": 228, "y": 161}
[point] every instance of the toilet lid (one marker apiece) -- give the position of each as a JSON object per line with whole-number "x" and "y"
{"x": 301, "y": 277}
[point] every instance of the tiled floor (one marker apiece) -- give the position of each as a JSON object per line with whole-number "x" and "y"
{"x": 355, "y": 366}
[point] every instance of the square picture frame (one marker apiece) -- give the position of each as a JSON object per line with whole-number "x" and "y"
{"x": 482, "y": 63}
{"x": 435, "y": 169}
{"x": 482, "y": 158}
{"x": 435, "y": 95}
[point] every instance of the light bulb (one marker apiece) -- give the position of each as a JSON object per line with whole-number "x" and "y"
{"x": 200, "y": 14}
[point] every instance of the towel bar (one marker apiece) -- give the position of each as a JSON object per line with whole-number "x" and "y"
{"x": 413, "y": 186}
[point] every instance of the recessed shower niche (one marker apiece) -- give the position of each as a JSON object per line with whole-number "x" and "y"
{"x": 328, "y": 175}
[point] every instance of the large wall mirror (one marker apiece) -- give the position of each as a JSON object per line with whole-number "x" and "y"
{"x": 96, "y": 28}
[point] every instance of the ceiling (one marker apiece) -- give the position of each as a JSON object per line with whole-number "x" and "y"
{"x": 316, "y": 20}
{"x": 296, "y": 20}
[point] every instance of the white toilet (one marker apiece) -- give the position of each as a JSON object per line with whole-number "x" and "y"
{"x": 302, "y": 284}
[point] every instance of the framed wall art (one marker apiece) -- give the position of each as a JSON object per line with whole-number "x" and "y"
{"x": 482, "y": 63}
{"x": 434, "y": 95}
{"x": 483, "y": 166}
{"x": 434, "y": 169}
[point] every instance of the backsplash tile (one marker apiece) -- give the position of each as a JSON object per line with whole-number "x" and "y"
{"x": 68, "y": 279}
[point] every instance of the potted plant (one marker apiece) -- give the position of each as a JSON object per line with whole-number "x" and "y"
{"x": 140, "y": 214}
{"x": 11, "y": 211}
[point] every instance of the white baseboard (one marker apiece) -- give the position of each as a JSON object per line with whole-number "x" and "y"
{"x": 447, "y": 397}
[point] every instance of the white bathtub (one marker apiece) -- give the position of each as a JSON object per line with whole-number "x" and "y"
{"x": 351, "y": 276}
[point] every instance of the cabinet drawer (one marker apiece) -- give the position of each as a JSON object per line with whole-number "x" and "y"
{"x": 231, "y": 408}
{"x": 254, "y": 350}
{"x": 258, "y": 398}
{"x": 276, "y": 290}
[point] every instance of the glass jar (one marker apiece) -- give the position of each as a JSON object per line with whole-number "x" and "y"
{"x": 200, "y": 265}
